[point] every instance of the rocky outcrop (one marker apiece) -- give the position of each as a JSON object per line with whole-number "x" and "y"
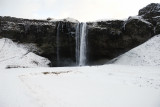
{"x": 151, "y": 13}
{"x": 105, "y": 39}
{"x": 151, "y": 10}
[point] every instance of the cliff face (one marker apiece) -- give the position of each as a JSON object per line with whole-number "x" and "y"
{"x": 44, "y": 34}
{"x": 109, "y": 39}
{"x": 105, "y": 39}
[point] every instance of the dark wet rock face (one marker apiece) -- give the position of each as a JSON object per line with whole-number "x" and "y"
{"x": 101, "y": 38}
{"x": 105, "y": 39}
{"x": 66, "y": 43}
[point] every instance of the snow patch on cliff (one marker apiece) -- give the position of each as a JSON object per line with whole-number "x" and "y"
{"x": 68, "y": 19}
{"x": 147, "y": 54}
{"x": 17, "y": 55}
{"x": 133, "y": 18}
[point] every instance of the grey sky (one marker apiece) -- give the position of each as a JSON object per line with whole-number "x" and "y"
{"x": 83, "y": 10}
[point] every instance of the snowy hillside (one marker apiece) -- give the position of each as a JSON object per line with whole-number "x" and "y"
{"x": 17, "y": 55}
{"x": 146, "y": 54}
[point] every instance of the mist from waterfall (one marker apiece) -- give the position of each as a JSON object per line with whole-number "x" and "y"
{"x": 58, "y": 43}
{"x": 77, "y": 43}
{"x": 82, "y": 56}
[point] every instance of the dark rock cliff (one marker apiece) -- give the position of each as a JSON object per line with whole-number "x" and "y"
{"x": 105, "y": 39}
{"x": 109, "y": 39}
{"x": 44, "y": 34}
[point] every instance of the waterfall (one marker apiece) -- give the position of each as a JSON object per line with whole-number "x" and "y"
{"x": 80, "y": 38}
{"x": 77, "y": 44}
{"x": 58, "y": 43}
{"x": 82, "y": 56}
{"x": 80, "y": 49}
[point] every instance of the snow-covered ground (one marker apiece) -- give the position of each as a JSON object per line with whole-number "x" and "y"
{"x": 147, "y": 54}
{"x": 17, "y": 55}
{"x": 98, "y": 86}
{"x": 112, "y": 85}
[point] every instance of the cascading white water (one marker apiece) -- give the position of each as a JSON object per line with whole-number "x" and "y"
{"x": 80, "y": 43}
{"x": 57, "y": 42}
{"x": 82, "y": 57}
{"x": 77, "y": 44}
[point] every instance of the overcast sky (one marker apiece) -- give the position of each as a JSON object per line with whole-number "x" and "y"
{"x": 83, "y": 10}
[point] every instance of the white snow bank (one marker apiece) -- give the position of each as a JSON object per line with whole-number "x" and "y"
{"x": 98, "y": 86}
{"x": 17, "y": 55}
{"x": 108, "y": 19}
{"x": 146, "y": 54}
{"x": 68, "y": 19}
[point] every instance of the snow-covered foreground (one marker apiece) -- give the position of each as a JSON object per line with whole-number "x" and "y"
{"x": 18, "y": 55}
{"x": 98, "y": 86}
{"x": 147, "y": 54}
